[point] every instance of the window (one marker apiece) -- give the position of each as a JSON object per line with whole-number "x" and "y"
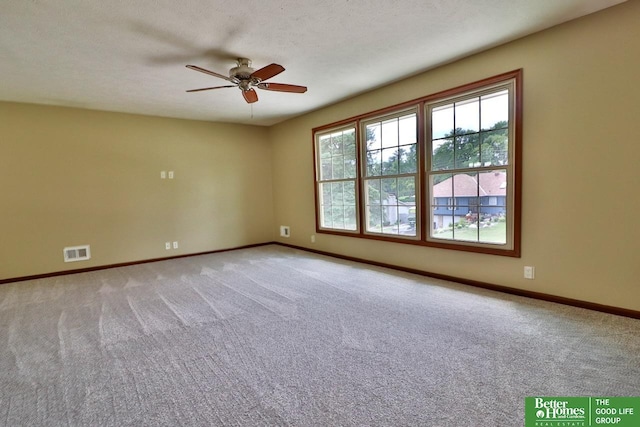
{"x": 336, "y": 154}
{"x": 391, "y": 174}
{"x": 440, "y": 171}
{"x": 469, "y": 159}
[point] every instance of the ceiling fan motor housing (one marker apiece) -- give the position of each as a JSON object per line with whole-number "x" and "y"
{"x": 242, "y": 72}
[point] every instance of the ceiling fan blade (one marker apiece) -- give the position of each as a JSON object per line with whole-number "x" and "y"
{"x": 250, "y": 96}
{"x": 281, "y": 87}
{"x": 209, "y": 88}
{"x": 211, "y": 73}
{"x": 267, "y": 72}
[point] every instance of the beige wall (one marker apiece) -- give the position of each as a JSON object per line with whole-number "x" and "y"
{"x": 73, "y": 177}
{"x": 580, "y": 172}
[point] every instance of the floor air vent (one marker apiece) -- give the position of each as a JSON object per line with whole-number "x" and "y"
{"x": 77, "y": 253}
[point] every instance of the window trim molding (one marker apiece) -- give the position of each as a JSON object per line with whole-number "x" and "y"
{"x": 420, "y": 103}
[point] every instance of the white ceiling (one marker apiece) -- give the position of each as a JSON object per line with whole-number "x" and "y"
{"x": 130, "y": 56}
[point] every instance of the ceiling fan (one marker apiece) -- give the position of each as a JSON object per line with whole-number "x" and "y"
{"x": 246, "y": 79}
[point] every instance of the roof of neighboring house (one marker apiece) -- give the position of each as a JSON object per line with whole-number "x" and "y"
{"x": 487, "y": 184}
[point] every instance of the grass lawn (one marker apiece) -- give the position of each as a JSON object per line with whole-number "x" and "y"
{"x": 497, "y": 233}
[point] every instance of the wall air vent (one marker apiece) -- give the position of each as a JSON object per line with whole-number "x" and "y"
{"x": 77, "y": 253}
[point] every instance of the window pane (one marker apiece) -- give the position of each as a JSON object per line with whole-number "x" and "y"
{"x": 443, "y": 226}
{"x": 374, "y": 205}
{"x": 390, "y": 161}
{"x": 408, "y": 161}
{"x": 327, "y": 219}
{"x": 495, "y": 148}
{"x": 407, "y": 130}
{"x": 325, "y": 168}
{"x": 349, "y": 147}
{"x": 391, "y": 221}
{"x": 350, "y": 222}
{"x": 466, "y": 228}
{"x": 390, "y": 133}
{"x": 349, "y": 167}
{"x": 349, "y": 141}
{"x": 337, "y": 196}
{"x": 389, "y": 190}
{"x": 467, "y": 151}
{"x": 464, "y": 187}
{"x": 401, "y": 193}
{"x": 442, "y": 191}
{"x": 373, "y": 192}
{"x": 325, "y": 190}
{"x": 467, "y": 116}
{"x": 337, "y": 213}
{"x": 389, "y": 193}
{"x": 337, "y": 164}
{"x": 407, "y": 189}
{"x": 374, "y": 159}
{"x": 494, "y": 186}
{"x": 373, "y": 137}
{"x": 442, "y": 155}
{"x": 374, "y": 218}
{"x": 336, "y": 143}
{"x": 493, "y": 226}
{"x": 442, "y": 121}
{"x": 495, "y": 110}
{"x": 349, "y": 192}
{"x": 442, "y": 186}
{"x": 338, "y": 205}
{"x": 325, "y": 146}
{"x": 407, "y": 214}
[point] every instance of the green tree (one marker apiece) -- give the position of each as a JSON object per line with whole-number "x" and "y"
{"x": 465, "y": 148}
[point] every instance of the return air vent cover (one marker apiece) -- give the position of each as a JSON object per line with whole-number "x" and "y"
{"x": 77, "y": 253}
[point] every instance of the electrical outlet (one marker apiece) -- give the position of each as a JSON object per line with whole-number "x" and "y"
{"x": 167, "y": 245}
{"x": 313, "y": 238}
{"x": 175, "y": 245}
{"x": 529, "y": 272}
{"x": 171, "y": 175}
{"x": 285, "y": 231}
{"x": 163, "y": 174}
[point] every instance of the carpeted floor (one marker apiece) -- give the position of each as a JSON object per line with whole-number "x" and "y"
{"x": 276, "y": 336}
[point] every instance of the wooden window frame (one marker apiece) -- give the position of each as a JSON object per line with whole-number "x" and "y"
{"x": 423, "y": 214}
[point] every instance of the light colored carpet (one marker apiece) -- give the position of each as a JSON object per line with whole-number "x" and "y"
{"x": 276, "y": 336}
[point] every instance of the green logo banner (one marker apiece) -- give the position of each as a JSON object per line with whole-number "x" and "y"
{"x": 581, "y": 411}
